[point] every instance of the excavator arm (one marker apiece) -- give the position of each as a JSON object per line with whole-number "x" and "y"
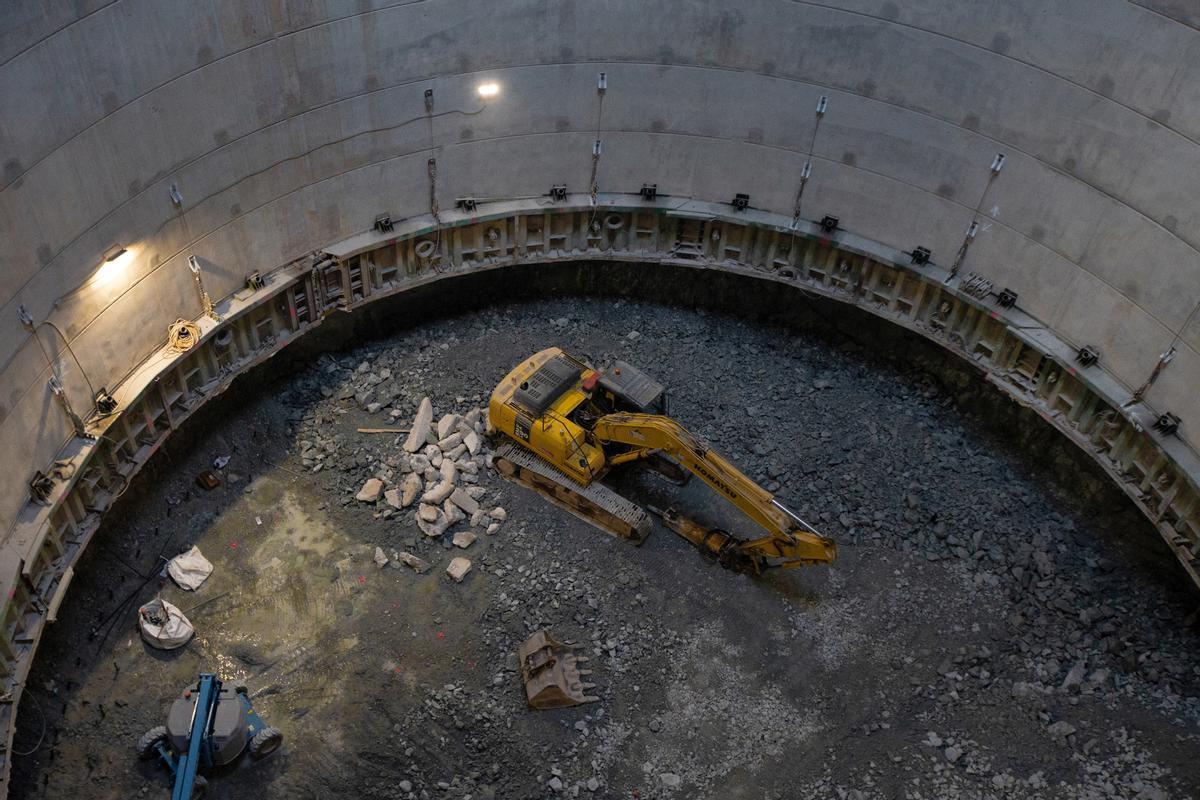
{"x": 790, "y": 542}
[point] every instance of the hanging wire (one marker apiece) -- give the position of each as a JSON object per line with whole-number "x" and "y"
{"x": 42, "y": 716}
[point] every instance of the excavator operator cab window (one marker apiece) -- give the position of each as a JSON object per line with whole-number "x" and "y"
{"x": 627, "y": 388}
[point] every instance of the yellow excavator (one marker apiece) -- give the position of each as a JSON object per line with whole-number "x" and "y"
{"x": 567, "y": 424}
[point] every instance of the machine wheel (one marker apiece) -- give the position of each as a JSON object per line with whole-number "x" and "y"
{"x": 147, "y": 746}
{"x": 265, "y": 742}
{"x": 199, "y": 788}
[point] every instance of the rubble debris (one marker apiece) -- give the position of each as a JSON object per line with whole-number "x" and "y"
{"x": 551, "y": 673}
{"x": 458, "y": 568}
{"x": 419, "y": 431}
{"x": 447, "y": 424}
{"x": 461, "y": 498}
{"x": 419, "y": 565}
{"x": 464, "y": 539}
{"x": 370, "y": 491}
{"x": 189, "y": 569}
{"x": 380, "y": 558}
{"x": 410, "y": 489}
{"x": 438, "y": 493}
{"x": 452, "y": 513}
{"x": 392, "y": 498}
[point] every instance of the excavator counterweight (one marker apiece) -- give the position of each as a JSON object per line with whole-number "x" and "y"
{"x": 569, "y": 424}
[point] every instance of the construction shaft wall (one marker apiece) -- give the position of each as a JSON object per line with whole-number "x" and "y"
{"x": 270, "y": 136}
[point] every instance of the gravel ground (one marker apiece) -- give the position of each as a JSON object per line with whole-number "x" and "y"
{"x": 995, "y": 626}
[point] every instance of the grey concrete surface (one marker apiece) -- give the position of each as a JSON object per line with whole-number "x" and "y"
{"x": 287, "y": 125}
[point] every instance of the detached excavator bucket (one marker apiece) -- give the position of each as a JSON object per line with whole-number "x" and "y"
{"x": 551, "y": 674}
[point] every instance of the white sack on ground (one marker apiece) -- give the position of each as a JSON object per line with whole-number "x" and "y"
{"x": 163, "y": 625}
{"x": 189, "y": 569}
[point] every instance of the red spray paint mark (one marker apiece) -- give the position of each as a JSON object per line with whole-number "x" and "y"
{"x": 362, "y": 580}
{"x": 441, "y": 635}
{"x": 233, "y": 545}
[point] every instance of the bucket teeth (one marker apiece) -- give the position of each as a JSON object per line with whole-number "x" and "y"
{"x": 551, "y": 674}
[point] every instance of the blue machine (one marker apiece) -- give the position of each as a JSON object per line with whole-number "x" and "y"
{"x": 208, "y": 725}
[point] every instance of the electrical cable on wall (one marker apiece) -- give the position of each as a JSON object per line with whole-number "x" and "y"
{"x": 973, "y": 228}
{"x": 182, "y": 335}
{"x": 593, "y": 182}
{"x": 806, "y": 172}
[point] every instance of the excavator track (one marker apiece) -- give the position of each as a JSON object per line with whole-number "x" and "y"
{"x": 596, "y": 503}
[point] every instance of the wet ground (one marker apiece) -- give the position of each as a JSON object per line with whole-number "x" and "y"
{"x": 984, "y": 633}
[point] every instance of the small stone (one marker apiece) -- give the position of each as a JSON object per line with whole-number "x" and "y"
{"x": 420, "y": 427}
{"x": 1060, "y": 730}
{"x": 392, "y": 498}
{"x": 418, "y": 564}
{"x": 1021, "y": 690}
{"x": 447, "y": 424}
{"x": 593, "y": 784}
{"x": 473, "y": 442}
{"x": 464, "y": 539}
{"x": 404, "y": 786}
{"x": 434, "y": 454}
{"x": 1074, "y": 678}
{"x": 556, "y": 784}
{"x": 448, "y": 444}
{"x": 953, "y": 753}
{"x": 464, "y": 501}
{"x": 411, "y": 488}
{"x": 498, "y": 514}
{"x": 381, "y": 559}
{"x": 370, "y": 491}
{"x": 438, "y": 493}
{"x": 453, "y": 513}
{"x": 670, "y": 779}
{"x": 495, "y": 526}
{"x": 427, "y": 513}
{"x": 458, "y": 568}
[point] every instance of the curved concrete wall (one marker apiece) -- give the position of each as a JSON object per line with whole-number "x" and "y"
{"x": 290, "y": 124}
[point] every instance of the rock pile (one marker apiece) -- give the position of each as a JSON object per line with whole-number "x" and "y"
{"x": 438, "y": 474}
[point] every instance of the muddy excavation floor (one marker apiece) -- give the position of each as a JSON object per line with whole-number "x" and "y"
{"x": 984, "y": 632}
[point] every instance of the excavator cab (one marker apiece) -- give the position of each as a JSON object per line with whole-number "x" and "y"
{"x": 624, "y": 387}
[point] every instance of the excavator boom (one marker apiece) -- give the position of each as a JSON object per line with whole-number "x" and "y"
{"x": 791, "y": 541}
